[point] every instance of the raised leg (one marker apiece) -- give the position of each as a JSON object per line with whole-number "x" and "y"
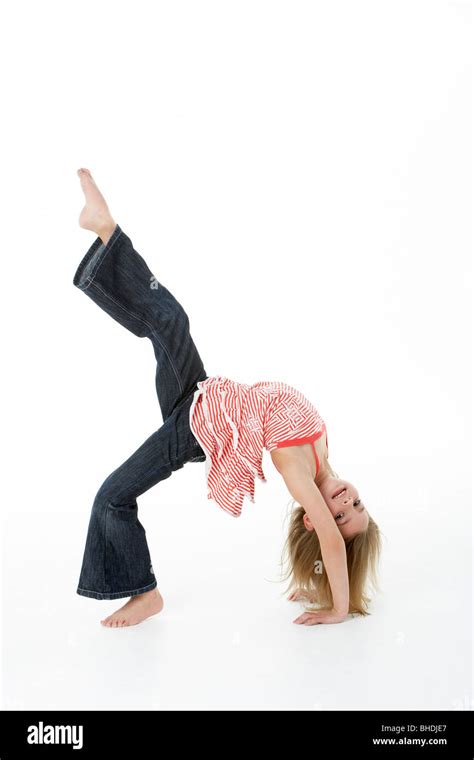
{"x": 116, "y": 277}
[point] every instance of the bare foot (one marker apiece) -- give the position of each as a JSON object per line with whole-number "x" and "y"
{"x": 95, "y": 215}
{"x": 138, "y": 608}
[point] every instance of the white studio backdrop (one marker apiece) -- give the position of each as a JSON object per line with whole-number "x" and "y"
{"x": 299, "y": 175}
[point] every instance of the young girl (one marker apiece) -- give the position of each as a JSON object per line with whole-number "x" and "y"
{"x": 333, "y": 543}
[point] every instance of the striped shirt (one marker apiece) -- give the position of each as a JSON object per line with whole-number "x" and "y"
{"x": 234, "y": 421}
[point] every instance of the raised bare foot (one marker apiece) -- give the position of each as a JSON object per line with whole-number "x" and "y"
{"x": 137, "y": 609}
{"x": 95, "y": 215}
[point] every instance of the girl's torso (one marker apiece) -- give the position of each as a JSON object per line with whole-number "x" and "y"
{"x": 234, "y": 422}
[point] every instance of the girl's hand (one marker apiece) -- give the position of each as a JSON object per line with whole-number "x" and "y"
{"x": 320, "y": 616}
{"x": 297, "y": 595}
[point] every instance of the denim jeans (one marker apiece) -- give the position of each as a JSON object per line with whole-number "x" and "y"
{"x": 116, "y": 560}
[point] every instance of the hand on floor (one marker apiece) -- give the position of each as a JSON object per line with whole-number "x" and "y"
{"x": 320, "y": 616}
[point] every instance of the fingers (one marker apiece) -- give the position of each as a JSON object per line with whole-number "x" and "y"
{"x": 307, "y": 618}
{"x": 294, "y": 596}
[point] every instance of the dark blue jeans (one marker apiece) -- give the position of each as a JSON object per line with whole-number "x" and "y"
{"x": 116, "y": 560}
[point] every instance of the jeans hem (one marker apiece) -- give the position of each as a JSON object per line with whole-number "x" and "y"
{"x": 116, "y": 594}
{"x": 83, "y": 282}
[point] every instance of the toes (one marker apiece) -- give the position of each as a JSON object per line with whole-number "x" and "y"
{"x": 112, "y": 622}
{"x": 115, "y": 622}
{"x": 85, "y": 174}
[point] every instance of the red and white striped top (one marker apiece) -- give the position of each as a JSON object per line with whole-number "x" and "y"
{"x": 234, "y": 421}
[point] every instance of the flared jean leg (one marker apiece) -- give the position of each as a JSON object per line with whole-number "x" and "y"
{"x": 117, "y": 560}
{"x": 117, "y": 278}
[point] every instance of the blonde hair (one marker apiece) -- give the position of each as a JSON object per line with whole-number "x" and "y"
{"x": 302, "y": 553}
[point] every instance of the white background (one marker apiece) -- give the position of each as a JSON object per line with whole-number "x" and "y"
{"x": 298, "y": 174}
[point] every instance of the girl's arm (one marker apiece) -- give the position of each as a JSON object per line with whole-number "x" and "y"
{"x": 303, "y": 488}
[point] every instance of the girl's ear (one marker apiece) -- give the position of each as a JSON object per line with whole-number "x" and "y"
{"x": 307, "y": 522}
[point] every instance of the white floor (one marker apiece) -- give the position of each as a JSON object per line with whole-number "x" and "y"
{"x": 225, "y": 639}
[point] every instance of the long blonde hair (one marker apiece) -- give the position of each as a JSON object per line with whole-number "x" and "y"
{"x": 302, "y": 554}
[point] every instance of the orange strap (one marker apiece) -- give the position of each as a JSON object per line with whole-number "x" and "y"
{"x": 312, "y": 439}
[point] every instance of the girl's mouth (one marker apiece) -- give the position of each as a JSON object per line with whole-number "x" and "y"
{"x": 339, "y": 491}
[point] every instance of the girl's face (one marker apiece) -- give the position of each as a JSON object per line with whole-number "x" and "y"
{"x": 345, "y": 506}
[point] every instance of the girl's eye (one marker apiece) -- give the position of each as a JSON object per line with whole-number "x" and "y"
{"x": 356, "y": 503}
{"x": 341, "y": 514}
